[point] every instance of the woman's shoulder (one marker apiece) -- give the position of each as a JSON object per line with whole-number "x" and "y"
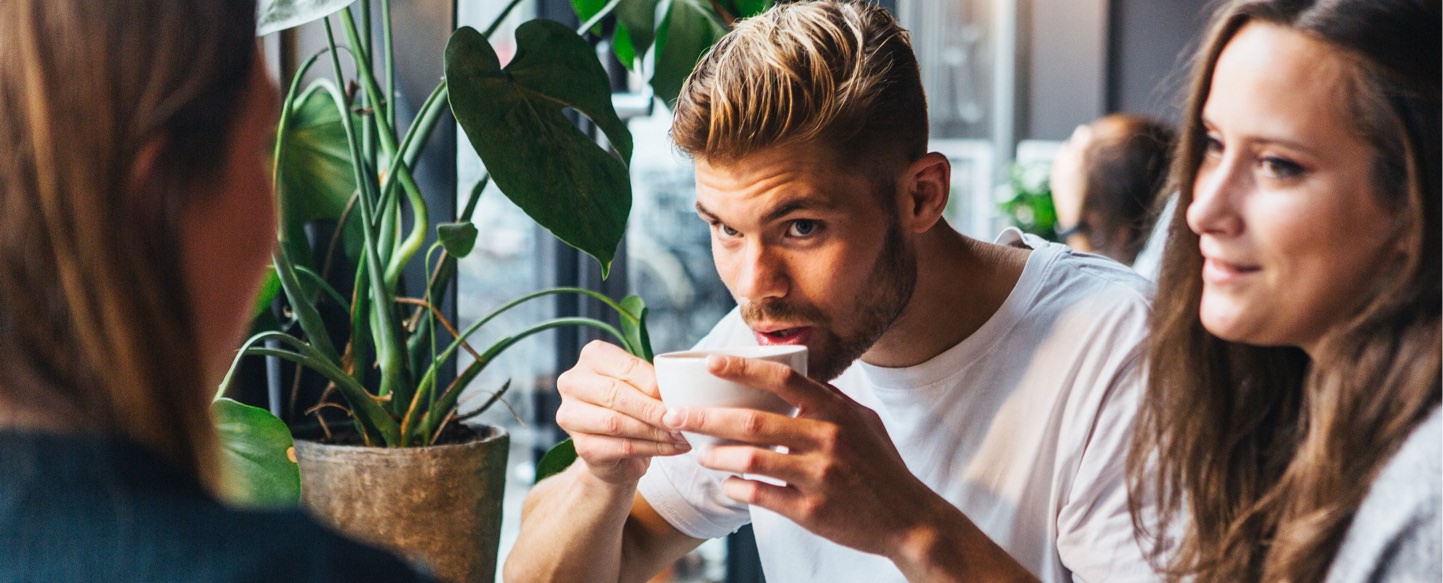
{"x": 1397, "y": 531}
{"x": 83, "y": 508}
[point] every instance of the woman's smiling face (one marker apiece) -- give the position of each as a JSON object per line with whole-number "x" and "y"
{"x": 1291, "y": 227}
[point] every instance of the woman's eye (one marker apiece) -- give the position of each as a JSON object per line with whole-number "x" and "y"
{"x": 1275, "y": 167}
{"x": 1212, "y": 146}
{"x": 803, "y": 228}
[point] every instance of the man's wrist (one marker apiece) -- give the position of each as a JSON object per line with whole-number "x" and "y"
{"x": 948, "y": 546}
{"x": 595, "y": 485}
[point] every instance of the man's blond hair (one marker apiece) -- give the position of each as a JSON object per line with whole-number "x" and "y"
{"x": 837, "y": 74}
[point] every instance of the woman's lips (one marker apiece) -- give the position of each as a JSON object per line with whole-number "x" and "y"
{"x": 782, "y": 336}
{"x": 1218, "y": 272}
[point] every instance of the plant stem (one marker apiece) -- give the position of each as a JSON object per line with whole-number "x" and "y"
{"x": 447, "y": 400}
{"x": 496, "y": 24}
{"x": 306, "y": 313}
{"x": 388, "y": 355}
{"x": 475, "y": 196}
{"x": 412, "y": 143}
{"x": 596, "y": 18}
{"x": 390, "y": 57}
{"x": 326, "y": 287}
{"x": 388, "y": 144}
{"x": 362, "y": 404}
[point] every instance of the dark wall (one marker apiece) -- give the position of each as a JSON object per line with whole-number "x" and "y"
{"x": 1080, "y": 59}
{"x": 1062, "y": 54}
{"x": 1149, "y": 51}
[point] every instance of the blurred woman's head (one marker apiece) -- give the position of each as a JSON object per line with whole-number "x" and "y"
{"x": 1119, "y": 165}
{"x": 135, "y": 212}
{"x": 1296, "y": 336}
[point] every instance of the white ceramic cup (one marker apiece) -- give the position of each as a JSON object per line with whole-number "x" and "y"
{"x": 683, "y": 380}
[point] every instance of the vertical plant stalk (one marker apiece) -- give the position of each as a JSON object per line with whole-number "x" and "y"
{"x": 496, "y": 24}
{"x": 413, "y": 241}
{"x": 388, "y": 354}
{"x": 390, "y": 57}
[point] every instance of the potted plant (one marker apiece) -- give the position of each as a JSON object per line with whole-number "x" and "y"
{"x": 1027, "y": 200}
{"x": 341, "y": 157}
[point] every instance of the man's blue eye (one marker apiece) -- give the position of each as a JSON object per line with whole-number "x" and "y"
{"x": 803, "y": 228}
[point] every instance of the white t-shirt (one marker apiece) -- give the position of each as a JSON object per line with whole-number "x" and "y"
{"x": 1024, "y": 426}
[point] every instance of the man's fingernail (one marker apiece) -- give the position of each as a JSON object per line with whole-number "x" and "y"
{"x": 716, "y": 362}
{"x": 673, "y": 418}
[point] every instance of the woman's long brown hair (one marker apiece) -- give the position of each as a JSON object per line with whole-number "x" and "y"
{"x": 1249, "y": 462}
{"x": 96, "y": 332}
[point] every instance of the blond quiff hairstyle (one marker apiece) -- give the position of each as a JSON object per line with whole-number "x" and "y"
{"x": 838, "y": 74}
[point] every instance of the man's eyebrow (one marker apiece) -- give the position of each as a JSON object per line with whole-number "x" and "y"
{"x": 782, "y": 210}
{"x": 706, "y": 214}
{"x": 792, "y": 206}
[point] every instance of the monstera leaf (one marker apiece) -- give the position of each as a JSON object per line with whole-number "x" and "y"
{"x": 257, "y": 464}
{"x": 689, "y": 29}
{"x": 315, "y": 180}
{"x": 686, "y": 29}
{"x": 515, "y": 118}
{"x": 277, "y": 15}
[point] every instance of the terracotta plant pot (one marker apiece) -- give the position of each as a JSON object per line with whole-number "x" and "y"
{"x": 437, "y": 505}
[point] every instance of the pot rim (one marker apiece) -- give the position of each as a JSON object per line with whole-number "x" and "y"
{"x": 484, "y": 433}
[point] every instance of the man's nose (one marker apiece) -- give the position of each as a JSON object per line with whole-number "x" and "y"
{"x": 761, "y": 275}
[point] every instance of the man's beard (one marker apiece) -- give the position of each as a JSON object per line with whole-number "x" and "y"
{"x": 888, "y": 288}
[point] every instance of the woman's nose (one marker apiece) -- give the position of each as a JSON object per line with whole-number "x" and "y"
{"x": 1213, "y": 208}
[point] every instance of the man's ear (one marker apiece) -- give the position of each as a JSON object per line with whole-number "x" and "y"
{"x": 927, "y": 181}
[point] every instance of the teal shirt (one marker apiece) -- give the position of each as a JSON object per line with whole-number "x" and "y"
{"x": 92, "y": 508}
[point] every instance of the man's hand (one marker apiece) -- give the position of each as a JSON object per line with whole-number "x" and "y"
{"x": 612, "y": 410}
{"x": 844, "y": 479}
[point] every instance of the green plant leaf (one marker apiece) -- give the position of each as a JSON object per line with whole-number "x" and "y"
{"x": 277, "y": 15}
{"x": 558, "y": 458}
{"x": 316, "y": 180}
{"x": 269, "y": 288}
{"x": 636, "y": 22}
{"x": 622, "y": 47}
{"x": 586, "y": 10}
{"x": 458, "y": 238}
{"x": 689, "y": 29}
{"x": 635, "y": 330}
{"x": 537, "y": 157}
{"x": 257, "y": 466}
{"x": 747, "y": 8}
{"x": 262, "y": 318}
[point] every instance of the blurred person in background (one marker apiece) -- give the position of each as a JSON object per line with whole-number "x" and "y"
{"x": 1107, "y": 181}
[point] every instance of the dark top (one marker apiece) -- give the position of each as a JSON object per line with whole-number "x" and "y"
{"x": 91, "y": 508}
